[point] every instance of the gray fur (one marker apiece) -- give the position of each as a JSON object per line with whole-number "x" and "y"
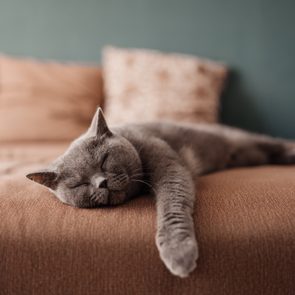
{"x": 108, "y": 167}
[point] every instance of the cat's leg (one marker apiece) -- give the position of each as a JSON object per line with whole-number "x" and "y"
{"x": 254, "y": 149}
{"x": 175, "y": 194}
{"x": 277, "y": 151}
{"x": 175, "y": 238}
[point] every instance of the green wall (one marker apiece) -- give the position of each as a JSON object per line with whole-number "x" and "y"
{"x": 256, "y": 38}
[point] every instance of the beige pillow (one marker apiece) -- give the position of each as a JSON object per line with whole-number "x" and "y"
{"x": 146, "y": 85}
{"x": 46, "y": 100}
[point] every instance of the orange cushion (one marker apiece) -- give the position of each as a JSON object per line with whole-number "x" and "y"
{"x": 46, "y": 100}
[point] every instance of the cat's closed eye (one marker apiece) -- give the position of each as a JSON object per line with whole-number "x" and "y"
{"x": 103, "y": 162}
{"x": 79, "y": 184}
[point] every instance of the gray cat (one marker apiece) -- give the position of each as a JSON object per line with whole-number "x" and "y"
{"x": 110, "y": 166}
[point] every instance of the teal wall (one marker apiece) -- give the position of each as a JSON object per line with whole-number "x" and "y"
{"x": 256, "y": 38}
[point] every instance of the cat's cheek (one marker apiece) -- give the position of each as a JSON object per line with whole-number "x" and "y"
{"x": 100, "y": 197}
{"x": 119, "y": 185}
{"x": 59, "y": 196}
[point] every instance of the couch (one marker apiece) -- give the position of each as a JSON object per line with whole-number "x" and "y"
{"x": 245, "y": 225}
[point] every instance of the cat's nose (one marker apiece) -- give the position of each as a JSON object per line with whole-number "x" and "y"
{"x": 99, "y": 181}
{"x": 103, "y": 184}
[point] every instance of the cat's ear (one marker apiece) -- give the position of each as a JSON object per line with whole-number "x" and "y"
{"x": 45, "y": 177}
{"x": 98, "y": 125}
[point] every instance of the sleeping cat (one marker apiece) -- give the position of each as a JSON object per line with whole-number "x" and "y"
{"x": 109, "y": 166}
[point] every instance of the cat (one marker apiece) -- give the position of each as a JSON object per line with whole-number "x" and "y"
{"x": 108, "y": 166}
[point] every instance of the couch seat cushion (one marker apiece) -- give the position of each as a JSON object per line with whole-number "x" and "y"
{"x": 245, "y": 223}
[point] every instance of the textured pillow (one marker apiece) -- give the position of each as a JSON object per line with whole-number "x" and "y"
{"x": 46, "y": 100}
{"x": 146, "y": 85}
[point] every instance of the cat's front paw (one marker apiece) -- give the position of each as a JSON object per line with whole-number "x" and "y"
{"x": 179, "y": 256}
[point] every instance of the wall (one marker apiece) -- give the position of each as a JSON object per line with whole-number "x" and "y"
{"x": 256, "y": 38}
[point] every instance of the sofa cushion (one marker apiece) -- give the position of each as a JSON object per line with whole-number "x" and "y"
{"x": 244, "y": 223}
{"x": 170, "y": 86}
{"x": 46, "y": 100}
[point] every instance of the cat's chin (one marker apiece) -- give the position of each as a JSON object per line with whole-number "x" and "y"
{"x": 112, "y": 198}
{"x": 117, "y": 198}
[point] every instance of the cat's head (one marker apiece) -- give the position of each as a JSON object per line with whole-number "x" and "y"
{"x": 97, "y": 169}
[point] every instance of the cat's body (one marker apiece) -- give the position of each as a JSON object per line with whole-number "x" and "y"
{"x": 205, "y": 148}
{"x": 109, "y": 166}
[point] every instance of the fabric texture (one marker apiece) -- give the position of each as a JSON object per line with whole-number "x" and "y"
{"x": 46, "y": 100}
{"x": 245, "y": 226}
{"x": 170, "y": 86}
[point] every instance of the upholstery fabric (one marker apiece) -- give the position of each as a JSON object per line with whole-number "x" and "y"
{"x": 170, "y": 86}
{"x": 46, "y": 100}
{"x": 245, "y": 224}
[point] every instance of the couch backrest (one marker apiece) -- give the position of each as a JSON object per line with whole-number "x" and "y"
{"x": 46, "y": 100}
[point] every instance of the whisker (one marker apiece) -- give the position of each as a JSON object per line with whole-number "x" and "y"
{"x": 110, "y": 173}
{"x": 137, "y": 174}
{"x": 120, "y": 177}
{"x": 117, "y": 176}
{"x": 144, "y": 182}
{"x": 141, "y": 174}
{"x": 142, "y": 169}
{"x": 92, "y": 197}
